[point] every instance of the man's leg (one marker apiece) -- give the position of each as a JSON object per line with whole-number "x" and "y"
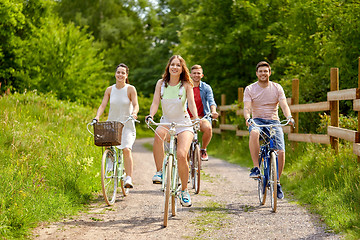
{"x": 254, "y": 147}
{"x": 281, "y": 161}
{"x": 206, "y": 129}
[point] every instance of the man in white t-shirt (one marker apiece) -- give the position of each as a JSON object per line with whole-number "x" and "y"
{"x": 262, "y": 100}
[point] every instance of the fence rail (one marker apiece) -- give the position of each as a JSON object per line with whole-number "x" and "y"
{"x": 334, "y": 132}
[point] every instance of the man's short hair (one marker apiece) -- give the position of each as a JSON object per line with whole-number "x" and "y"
{"x": 263, "y": 64}
{"x": 196, "y": 66}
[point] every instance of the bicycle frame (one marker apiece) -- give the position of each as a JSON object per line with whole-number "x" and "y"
{"x": 169, "y": 183}
{"x": 174, "y": 173}
{"x": 268, "y": 163}
{"x": 112, "y": 169}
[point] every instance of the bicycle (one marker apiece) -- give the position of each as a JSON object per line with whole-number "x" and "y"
{"x": 194, "y": 158}
{"x": 268, "y": 163}
{"x": 170, "y": 184}
{"x": 112, "y": 166}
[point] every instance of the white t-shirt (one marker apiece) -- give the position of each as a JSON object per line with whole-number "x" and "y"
{"x": 264, "y": 101}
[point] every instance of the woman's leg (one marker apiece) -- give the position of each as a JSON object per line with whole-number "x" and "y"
{"x": 184, "y": 140}
{"x": 158, "y": 147}
{"x": 128, "y": 161}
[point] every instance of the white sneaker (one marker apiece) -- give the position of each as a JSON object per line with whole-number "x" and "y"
{"x": 185, "y": 198}
{"x": 157, "y": 178}
{"x": 128, "y": 183}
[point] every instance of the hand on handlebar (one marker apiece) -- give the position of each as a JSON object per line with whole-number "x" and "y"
{"x": 292, "y": 122}
{"x": 148, "y": 118}
{"x": 93, "y": 121}
{"x": 248, "y": 122}
{"x": 134, "y": 117}
{"x": 214, "y": 115}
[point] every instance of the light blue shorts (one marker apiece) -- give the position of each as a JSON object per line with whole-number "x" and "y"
{"x": 279, "y": 135}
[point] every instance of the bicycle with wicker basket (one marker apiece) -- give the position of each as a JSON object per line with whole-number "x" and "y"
{"x": 108, "y": 134}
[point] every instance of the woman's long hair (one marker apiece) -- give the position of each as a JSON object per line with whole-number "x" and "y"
{"x": 127, "y": 71}
{"x": 184, "y": 76}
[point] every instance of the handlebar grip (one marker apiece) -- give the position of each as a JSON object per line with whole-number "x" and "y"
{"x": 94, "y": 121}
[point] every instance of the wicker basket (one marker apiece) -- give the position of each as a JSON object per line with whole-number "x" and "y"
{"x": 108, "y": 133}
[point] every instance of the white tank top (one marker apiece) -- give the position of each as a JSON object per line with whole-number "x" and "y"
{"x": 120, "y": 105}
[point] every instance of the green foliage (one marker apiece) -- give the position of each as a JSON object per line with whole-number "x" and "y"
{"x": 234, "y": 151}
{"x": 346, "y": 122}
{"x": 12, "y": 20}
{"x": 47, "y": 164}
{"x": 61, "y": 59}
{"x": 328, "y": 182}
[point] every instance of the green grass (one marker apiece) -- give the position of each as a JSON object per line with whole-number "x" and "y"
{"x": 328, "y": 184}
{"x": 47, "y": 165}
{"x": 213, "y": 217}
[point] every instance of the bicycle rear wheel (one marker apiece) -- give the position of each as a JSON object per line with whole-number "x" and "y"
{"x": 167, "y": 186}
{"x": 273, "y": 181}
{"x": 197, "y": 167}
{"x": 109, "y": 176}
{"x": 262, "y": 181}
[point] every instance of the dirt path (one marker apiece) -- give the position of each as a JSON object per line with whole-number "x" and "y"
{"x": 226, "y": 208}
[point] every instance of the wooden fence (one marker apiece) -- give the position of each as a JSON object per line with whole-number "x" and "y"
{"x": 334, "y": 132}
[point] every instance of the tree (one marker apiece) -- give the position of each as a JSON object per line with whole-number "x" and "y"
{"x": 61, "y": 58}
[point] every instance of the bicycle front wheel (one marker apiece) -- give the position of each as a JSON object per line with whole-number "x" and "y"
{"x": 121, "y": 172}
{"x": 167, "y": 186}
{"x": 197, "y": 168}
{"x": 262, "y": 182}
{"x": 109, "y": 176}
{"x": 273, "y": 181}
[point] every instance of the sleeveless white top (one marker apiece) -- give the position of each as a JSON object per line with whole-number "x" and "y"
{"x": 120, "y": 110}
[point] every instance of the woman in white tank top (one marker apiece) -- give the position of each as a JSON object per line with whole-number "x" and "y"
{"x": 123, "y": 103}
{"x": 174, "y": 90}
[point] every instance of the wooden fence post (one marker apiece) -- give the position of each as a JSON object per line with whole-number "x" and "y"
{"x": 334, "y": 107}
{"x": 223, "y": 113}
{"x": 295, "y": 100}
{"x": 240, "y": 95}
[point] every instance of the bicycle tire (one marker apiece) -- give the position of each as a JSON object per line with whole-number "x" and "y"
{"x": 273, "y": 181}
{"x": 167, "y": 186}
{"x": 121, "y": 171}
{"x": 191, "y": 165}
{"x": 109, "y": 177}
{"x": 262, "y": 182}
{"x": 174, "y": 189}
{"x": 197, "y": 168}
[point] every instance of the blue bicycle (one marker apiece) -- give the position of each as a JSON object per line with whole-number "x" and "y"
{"x": 268, "y": 163}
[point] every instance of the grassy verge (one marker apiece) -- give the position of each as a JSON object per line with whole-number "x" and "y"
{"x": 47, "y": 167}
{"x": 328, "y": 184}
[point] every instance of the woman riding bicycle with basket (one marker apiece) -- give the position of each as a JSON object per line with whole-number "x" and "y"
{"x": 123, "y": 103}
{"x": 174, "y": 90}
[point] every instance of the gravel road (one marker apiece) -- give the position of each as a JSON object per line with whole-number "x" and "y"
{"x": 226, "y": 208}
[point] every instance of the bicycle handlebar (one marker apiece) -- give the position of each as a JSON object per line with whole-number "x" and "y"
{"x": 151, "y": 121}
{"x": 281, "y": 124}
{"x": 131, "y": 117}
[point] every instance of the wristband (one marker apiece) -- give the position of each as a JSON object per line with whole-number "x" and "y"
{"x": 289, "y": 117}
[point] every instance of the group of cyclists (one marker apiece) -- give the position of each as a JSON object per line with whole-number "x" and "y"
{"x": 185, "y": 97}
